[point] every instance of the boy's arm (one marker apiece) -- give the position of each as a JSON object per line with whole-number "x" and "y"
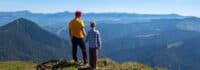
{"x": 99, "y": 40}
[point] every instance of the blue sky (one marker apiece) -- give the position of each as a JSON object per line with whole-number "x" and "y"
{"x": 182, "y": 7}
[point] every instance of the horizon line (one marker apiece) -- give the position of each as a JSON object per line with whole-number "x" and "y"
{"x": 99, "y": 13}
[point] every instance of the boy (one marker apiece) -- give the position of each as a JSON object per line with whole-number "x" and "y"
{"x": 94, "y": 41}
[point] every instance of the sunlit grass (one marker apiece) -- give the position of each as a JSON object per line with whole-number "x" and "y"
{"x": 103, "y": 64}
{"x": 17, "y": 65}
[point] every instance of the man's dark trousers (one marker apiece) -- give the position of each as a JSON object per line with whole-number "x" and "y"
{"x": 81, "y": 43}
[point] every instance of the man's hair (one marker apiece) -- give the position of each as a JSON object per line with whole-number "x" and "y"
{"x": 78, "y": 14}
{"x": 92, "y": 24}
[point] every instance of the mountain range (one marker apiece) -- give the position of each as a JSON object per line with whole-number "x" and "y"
{"x": 63, "y": 17}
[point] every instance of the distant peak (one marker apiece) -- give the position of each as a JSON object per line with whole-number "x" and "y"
{"x": 24, "y": 11}
{"x": 21, "y": 24}
{"x": 173, "y": 14}
{"x": 22, "y": 20}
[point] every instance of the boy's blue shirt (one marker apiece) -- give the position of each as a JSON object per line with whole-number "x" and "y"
{"x": 93, "y": 38}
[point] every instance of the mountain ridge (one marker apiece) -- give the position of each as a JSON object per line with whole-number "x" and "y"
{"x": 28, "y": 41}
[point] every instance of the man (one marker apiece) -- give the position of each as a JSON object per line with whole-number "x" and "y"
{"x": 94, "y": 40}
{"x": 77, "y": 34}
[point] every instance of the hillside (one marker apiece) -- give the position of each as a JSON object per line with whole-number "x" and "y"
{"x": 23, "y": 39}
{"x": 103, "y": 64}
{"x": 175, "y": 50}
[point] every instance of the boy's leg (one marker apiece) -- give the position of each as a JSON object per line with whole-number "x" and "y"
{"x": 95, "y": 57}
{"x": 90, "y": 55}
{"x": 74, "y": 49}
{"x": 83, "y": 49}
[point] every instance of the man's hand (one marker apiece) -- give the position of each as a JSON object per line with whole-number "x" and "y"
{"x": 70, "y": 35}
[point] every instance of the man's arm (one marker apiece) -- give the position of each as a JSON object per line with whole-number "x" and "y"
{"x": 69, "y": 28}
{"x": 83, "y": 30}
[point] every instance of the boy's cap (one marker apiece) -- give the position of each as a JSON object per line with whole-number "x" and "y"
{"x": 92, "y": 23}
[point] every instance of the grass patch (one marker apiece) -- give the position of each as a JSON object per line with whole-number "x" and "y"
{"x": 17, "y": 65}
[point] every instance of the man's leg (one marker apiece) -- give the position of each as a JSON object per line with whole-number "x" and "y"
{"x": 83, "y": 49}
{"x": 74, "y": 49}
